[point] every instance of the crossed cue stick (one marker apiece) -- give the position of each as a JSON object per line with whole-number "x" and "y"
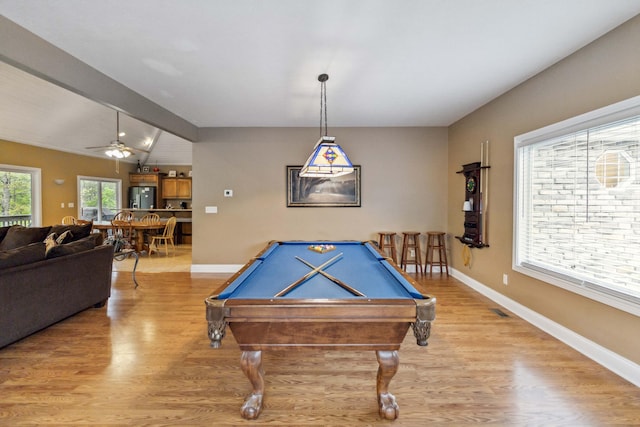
{"x": 319, "y": 270}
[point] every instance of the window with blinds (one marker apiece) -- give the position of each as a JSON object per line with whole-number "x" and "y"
{"x": 577, "y": 205}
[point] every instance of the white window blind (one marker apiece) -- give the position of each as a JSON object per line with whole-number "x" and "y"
{"x": 577, "y": 205}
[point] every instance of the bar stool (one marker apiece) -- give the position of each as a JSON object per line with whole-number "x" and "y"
{"x": 436, "y": 242}
{"x": 388, "y": 241}
{"x": 411, "y": 241}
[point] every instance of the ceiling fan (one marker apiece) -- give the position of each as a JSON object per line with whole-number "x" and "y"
{"x": 117, "y": 149}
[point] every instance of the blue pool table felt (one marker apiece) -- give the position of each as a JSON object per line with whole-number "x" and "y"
{"x": 361, "y": 266}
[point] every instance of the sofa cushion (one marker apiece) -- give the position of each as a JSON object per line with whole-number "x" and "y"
{"x": 79, "y": 231}
{"x": 22, "y": 255}
{"x": 81, "y": 245}
{"x": 98, "y": 237}
{"x": 18, "y": 235}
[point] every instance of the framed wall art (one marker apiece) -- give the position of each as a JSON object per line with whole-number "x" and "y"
{"x": 306, "y": 192}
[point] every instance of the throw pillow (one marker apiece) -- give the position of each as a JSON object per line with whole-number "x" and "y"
{"x": 22, "y": 255}
{"x": 72, "y": 248}
{"x": 50, "y": 242}
{"x": 54, "y": 240}
{"x": 22, "y": 236}
{"x": 79, "y": 231}
{"x": 65, "y": 237}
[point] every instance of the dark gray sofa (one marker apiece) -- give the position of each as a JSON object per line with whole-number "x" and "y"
{"x": 39, "y": 288}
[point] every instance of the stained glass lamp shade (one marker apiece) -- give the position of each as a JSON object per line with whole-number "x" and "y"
{"x": 327, "y": 160}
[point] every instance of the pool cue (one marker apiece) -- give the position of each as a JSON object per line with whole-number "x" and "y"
{"x": 306, "y": 276}
{"x": 335, "y": 280}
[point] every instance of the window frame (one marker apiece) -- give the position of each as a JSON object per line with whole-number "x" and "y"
{"x": 609, "y": 114}
{"x": 119, "y": 194}
{"x": 36, "y": 190}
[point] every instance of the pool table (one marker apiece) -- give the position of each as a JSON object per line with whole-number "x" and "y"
{"x": 344, "y": 295}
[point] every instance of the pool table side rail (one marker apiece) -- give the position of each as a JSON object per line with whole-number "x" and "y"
{"x": 356, "y": 310}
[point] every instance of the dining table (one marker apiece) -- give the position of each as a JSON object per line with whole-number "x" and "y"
{"x": 139, "y": 228}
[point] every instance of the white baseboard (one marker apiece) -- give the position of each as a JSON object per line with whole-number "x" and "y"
{"x": 622, "y": 366}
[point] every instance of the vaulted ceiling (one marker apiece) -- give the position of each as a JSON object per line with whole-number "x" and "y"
{"x": 250, "y": 63}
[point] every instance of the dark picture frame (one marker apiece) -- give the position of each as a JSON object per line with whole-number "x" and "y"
{"x": 305, "y": 192}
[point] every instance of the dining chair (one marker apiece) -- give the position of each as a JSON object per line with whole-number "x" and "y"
{"x": 166, "y": 237}
{"x": 123, "y": 216}
{"x": 69, "y": 220}
{"x": 150, "y": 218}
{"x": 122, "y": 231}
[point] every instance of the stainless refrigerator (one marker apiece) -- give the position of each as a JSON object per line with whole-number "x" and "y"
{"x": 143, "y": 197}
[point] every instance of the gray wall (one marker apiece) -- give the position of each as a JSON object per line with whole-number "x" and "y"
{"x": 404, "y": 187}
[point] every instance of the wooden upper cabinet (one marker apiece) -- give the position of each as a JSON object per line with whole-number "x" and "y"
{"x": 176, "y": 188}
{"x": 144, "y": 179}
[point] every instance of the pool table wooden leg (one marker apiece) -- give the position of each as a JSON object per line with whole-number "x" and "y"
{"x": 388, "y": 362}
{"x": 251, "y": 363}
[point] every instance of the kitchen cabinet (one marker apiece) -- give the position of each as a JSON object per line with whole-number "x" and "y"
{"x": 176, "y": 188}
{"x": 185, "y": 232}
{"x": 144, "y": 179}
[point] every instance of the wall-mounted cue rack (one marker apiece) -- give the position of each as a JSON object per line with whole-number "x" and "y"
{"x": 476, "y": 201}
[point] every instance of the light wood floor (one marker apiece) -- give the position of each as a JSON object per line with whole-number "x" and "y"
{"x": 178, "y": 260}
{"x": 145, "y": 360}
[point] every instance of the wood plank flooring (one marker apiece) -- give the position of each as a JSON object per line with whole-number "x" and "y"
{"x": 145, "y": 360}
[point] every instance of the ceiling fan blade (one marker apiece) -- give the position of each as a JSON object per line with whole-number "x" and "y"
{"x": 98, "y": 147}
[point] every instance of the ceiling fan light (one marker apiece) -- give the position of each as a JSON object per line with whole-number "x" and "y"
{"x": 118, "y": 154}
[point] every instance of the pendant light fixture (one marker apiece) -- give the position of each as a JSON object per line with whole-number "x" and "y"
{"x": 327, "y": 159}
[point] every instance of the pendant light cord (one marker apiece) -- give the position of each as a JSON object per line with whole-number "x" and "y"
{"x": 323, "y": 102}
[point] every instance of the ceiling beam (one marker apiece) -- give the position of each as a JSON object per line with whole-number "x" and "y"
{"x": 32, "y": 54}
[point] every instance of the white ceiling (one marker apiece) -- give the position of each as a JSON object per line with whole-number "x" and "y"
{"x": 220, "y": 63}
